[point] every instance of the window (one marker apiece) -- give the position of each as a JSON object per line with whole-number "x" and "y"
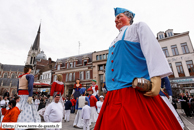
{"x": 87, "y": 74}
{"x": 13, "y": 76}
{"x": 171, "y": 66}
{"x": 161, "y": 36}
{"x": 190, "y": 67}
{"x": 70, "y": 76}
{"x": 55, "y": 78}
{"x": 67, "y": 65}
{"x": 81, "y": 75}
{"x": 100, "y": 67}
{"x": 74, "y": 64}
{"x": 107, "y": 56}
{"x": 169, "y": 34}
{"x": 171, "y": 76}
{"x": 49, "y": 75}
{"x": 104, "y": 56}
{"x": 5, "y": 75}
{"x": 66, "y": 77}
{"x": 40, "y": 77}
{"x": 97, "y": 57}
{"x": 31, "y": 60}
{"x": 71, "y": 65}
{"x": 34, "y": 60}
{"x": 174, "y": 50}
{"x": 73, "y": 76}
{"x": 184, "y": 48}
{"x": 100, "y": 57}
{"x": 58, "y": 67}
{"x": 180, "y": 69}
{"x": 85, "y": 62}
{"x": 101, "y": 81}
{"x": 165, "y": 50}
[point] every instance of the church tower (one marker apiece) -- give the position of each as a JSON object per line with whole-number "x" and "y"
{"x": 34, "y": 49}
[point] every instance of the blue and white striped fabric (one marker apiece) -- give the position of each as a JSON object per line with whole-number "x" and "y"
{"x": 28, "y": 111}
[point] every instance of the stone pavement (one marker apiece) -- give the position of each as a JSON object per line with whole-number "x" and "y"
{"x": 69, "y": 125}
{"x": 188, "y": 121}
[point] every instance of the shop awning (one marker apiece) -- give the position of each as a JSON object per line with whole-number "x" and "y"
{"x": 41, "y": 85}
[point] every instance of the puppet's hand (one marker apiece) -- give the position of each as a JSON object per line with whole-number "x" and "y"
{"x": 29, "y": 100}
{"x": 170, "y": 99}
{"x": 156, "y": 85}
{"x": 51, "y": 98}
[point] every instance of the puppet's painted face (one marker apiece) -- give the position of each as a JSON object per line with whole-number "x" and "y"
{"x": 90, "y": 92}
{"x": 93, "y": 83}
{"x": 77, "y": 81}
{"x": 121, "y": 20}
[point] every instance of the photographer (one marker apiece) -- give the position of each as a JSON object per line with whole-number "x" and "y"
{"x": 10, "y": 115}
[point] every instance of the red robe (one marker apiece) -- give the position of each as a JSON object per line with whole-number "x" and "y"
{"x": 73, "y": 102}
{"x": 10, "y": 115}
{"x": 57, "y": 87}
{"x": 93, "y": 100}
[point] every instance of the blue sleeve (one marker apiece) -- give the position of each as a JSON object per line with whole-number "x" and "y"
{"x": 167, "y": 85}
{"x": 30, "y": 79}
{"x": 17, "y": 85}
{"x": 87, "y": 99}
{"x": 76, "y": 105}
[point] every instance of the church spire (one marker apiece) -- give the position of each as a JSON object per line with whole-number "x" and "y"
{"x": 36, "y": 44}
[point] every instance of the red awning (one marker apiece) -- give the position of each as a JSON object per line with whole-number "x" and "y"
{"x": 41, "y": 85}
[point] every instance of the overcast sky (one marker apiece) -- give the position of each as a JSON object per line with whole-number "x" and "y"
{"x": 65, "y": 22}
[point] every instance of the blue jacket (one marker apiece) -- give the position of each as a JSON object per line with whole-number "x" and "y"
{"x": 68, "y": 105}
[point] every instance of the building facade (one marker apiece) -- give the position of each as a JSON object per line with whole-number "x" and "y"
{"x": 99, "y": 67}
{"x": 72, "y": 68}
{"x": 179, "y": 52}
{"x": 9, "y": 78}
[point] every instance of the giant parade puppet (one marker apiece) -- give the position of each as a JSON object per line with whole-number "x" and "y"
{"x": 135, "y": 53}
{"x": 25, "y": 91}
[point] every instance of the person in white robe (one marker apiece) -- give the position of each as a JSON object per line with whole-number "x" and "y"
{"x": 78, "y": 122}
{"x": 17, "y": 99}
{"x": 99, "y": 103}
{"x": 53, "y": 112}
{"x": 86, "y": 111}
{"x": 36, "y": 103}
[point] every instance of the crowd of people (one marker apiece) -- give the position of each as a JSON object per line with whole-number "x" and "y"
{"x": 187, "y": 103}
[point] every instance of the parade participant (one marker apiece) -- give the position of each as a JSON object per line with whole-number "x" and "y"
{"x": 76, "y": 88}
{"x": 94, "y": 87}
{"x": 93, "y": 101}
{"x": 68, "y": 105}
{"x": 6, "y": 94}
{"x": 17, "y": 99}
{"x": 184, "y": 105}
{"x": 36, "y": 102}
{"x": 73, "y": 102}
{"x": 25, "y": 91}
{"x": 5, "y": 101}
{"x": 10, "y": 115}
{"x": 134, "y": 53}
{"x": 168, "y": 98}
{"x": 99, "y": 103}
{"x": 78, "y": 122}
{"x": 54, "y": 110}
{"x": 57, "y": 88}
{"x": 86, "y": 116}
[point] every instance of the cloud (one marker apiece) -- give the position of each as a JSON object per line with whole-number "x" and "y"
{"x": 65, "y": 23}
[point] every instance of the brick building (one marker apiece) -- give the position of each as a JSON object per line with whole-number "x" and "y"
{"x": 8, "y": 78}
{"x": 72, "y": 68}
